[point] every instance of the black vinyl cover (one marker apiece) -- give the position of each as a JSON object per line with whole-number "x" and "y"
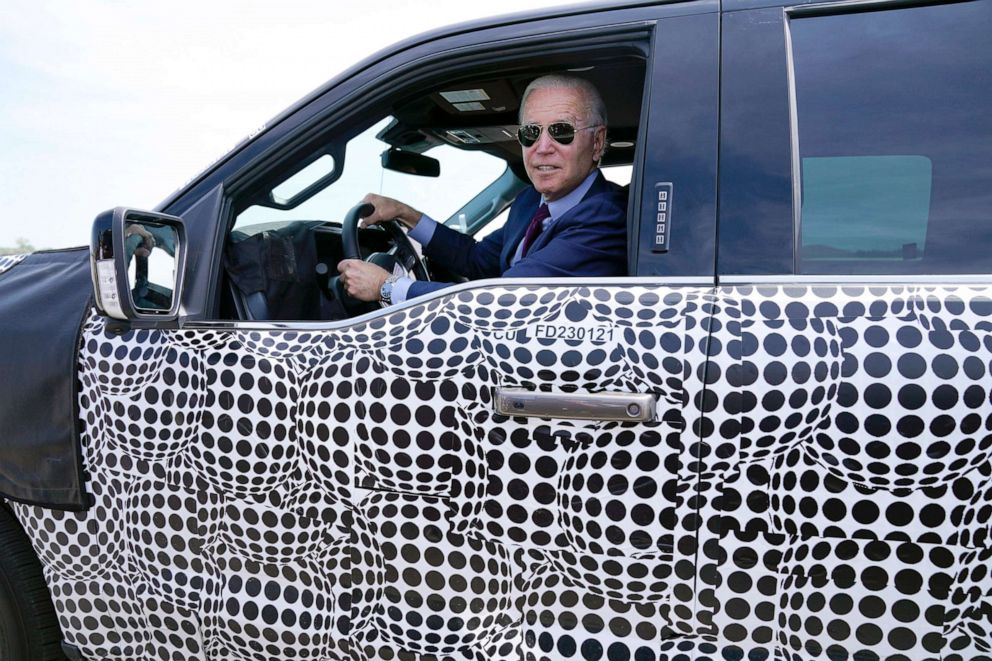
{"x": 43, "y": 300}
{"x": 279, "y": 263}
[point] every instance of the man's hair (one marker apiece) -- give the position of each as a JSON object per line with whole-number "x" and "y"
{"x": 593, "y": 101}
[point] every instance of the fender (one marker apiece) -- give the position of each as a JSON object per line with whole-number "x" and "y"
{"x": 43, "y": 298}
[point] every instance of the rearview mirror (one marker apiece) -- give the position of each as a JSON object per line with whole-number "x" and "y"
{"x": 409, "y": 162}
{"x": 137, "y": 259}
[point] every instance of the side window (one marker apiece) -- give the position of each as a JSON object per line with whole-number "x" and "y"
{"x": 458, "y": 162}
{"x": 618, "y": 174}
{"x": 893, "y": 126}
{"x": 462, "y": 175}
{"x": 868, "y": 209}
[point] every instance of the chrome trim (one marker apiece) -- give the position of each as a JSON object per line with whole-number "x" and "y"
{"x": 735, "y": 280}
{"x": 849, "y": 6}
{"x": 797, "y": 184}
{"x": 491, "y": 283}
{"x": 613, "y": 406}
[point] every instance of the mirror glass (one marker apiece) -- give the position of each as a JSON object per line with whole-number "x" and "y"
{"x": 150, "y": 250}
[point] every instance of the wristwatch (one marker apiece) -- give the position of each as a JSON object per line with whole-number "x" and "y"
{"x": 386, "y": 290}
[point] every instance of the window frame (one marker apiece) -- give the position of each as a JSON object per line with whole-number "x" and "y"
{"x": 339, "y": 122}
{"x": 206, "y": 201}
{"x": 339, "y": 128}
{"x": 756, "y": 232}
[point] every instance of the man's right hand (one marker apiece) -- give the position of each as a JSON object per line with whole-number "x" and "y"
{"x": 386, "y": 208}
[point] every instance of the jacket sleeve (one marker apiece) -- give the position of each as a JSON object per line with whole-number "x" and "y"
{"x": 461, "y": 254}
{"x": 464, "y": 255}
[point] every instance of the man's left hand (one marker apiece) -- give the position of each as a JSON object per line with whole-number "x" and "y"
{"x": 362, "y": 280}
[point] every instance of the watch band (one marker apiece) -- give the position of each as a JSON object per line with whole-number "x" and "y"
{"x": 386, "y": 290}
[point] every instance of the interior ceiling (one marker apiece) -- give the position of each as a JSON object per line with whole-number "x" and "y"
{"x": 460, "y": 115}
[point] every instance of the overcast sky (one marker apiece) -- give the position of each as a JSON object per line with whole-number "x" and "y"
{"x": 108, "y": 103}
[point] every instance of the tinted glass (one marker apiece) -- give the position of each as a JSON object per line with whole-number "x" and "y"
{"x": 463, "y": 175}
{"x": 841, "y": 192}
{"x": 895, "y": 139}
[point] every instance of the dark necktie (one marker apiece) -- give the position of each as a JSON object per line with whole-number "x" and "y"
{"x": 535, "y": 227}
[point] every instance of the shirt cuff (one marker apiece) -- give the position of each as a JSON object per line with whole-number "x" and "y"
{"x": 423, "y": 231}
{"x": 400, "y": 289}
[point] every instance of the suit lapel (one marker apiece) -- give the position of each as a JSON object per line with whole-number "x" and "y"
{"x": 516, "y": 224}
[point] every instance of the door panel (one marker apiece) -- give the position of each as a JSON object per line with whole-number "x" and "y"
{"x": 847, "y": 478}
{"x": 352, "y": 488}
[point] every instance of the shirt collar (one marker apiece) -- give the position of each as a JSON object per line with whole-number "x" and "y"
{"x": 560, "y": 207}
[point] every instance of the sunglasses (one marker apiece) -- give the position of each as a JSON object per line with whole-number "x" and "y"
{"x": 561, "y": 132}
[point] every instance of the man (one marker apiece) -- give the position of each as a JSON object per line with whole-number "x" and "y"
{"x": 569, "y": 222}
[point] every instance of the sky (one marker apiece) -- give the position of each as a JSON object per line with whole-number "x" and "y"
{"x": 108, "y": 103}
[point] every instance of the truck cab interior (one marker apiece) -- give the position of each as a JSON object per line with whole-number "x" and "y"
{"x": 449, "y": 150}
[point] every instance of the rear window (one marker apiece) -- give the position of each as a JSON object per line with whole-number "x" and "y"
{"x": 895, "y": 140}
{"x": 841, "y": 193}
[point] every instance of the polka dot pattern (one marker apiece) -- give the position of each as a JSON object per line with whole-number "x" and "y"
{"x": 104, "y": 616}
{"x": 83, "y": 546}
{"x": 9, "y": 261}
{"x": 845, "y": 469}
{"x": 262, "y": 605}
{"x": 443, "y": 591}
{"x": 563, "y": 621}
{"x": 166, "y": 529}
{"x": 817, "y": 484}
{"x": 837, "y": 595}
{"x": 246, "y": 439}
{"x": 267, "y": 529}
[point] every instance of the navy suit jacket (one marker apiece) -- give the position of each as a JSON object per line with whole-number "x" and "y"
{"x": 590, "y": 239}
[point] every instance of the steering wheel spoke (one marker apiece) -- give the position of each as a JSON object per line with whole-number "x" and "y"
{"x": 408, "y": 260}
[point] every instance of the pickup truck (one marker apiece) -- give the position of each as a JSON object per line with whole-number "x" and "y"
{"x": 771, "y": 439}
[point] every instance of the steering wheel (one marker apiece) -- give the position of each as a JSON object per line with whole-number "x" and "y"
{"x": 402, "y": 253}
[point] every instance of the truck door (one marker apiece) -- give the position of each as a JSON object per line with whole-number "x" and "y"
{"x": 355, "y": 486}
{"x": 849, "y": 483}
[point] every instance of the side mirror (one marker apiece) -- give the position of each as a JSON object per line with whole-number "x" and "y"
{"x": 138, "y": 259}
{"x": 409, "y": 162}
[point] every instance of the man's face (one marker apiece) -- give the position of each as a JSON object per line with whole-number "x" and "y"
{"x": 553, "y": 168}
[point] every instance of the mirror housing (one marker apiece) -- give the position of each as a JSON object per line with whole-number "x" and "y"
{"x": 137, "y": 263}
{"x": 409, "y": 162}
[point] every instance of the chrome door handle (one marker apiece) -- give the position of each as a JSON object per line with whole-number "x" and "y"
{"x": 620, "y": 406}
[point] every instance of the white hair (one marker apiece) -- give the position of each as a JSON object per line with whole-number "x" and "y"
{"x": 595, "y": 107}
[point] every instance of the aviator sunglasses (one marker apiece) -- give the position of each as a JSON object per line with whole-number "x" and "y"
{"x": 561, "y": 132}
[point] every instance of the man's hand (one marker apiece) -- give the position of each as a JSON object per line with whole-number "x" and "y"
{"x": 386, "y": 208}
{"x": 362, "y": 280}
{"x": 147, "y": 244}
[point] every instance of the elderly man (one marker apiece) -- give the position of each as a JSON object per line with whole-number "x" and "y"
{"x": 569, "y": 222}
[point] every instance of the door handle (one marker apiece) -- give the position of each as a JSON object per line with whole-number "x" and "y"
{"x": 619, "y": 406}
